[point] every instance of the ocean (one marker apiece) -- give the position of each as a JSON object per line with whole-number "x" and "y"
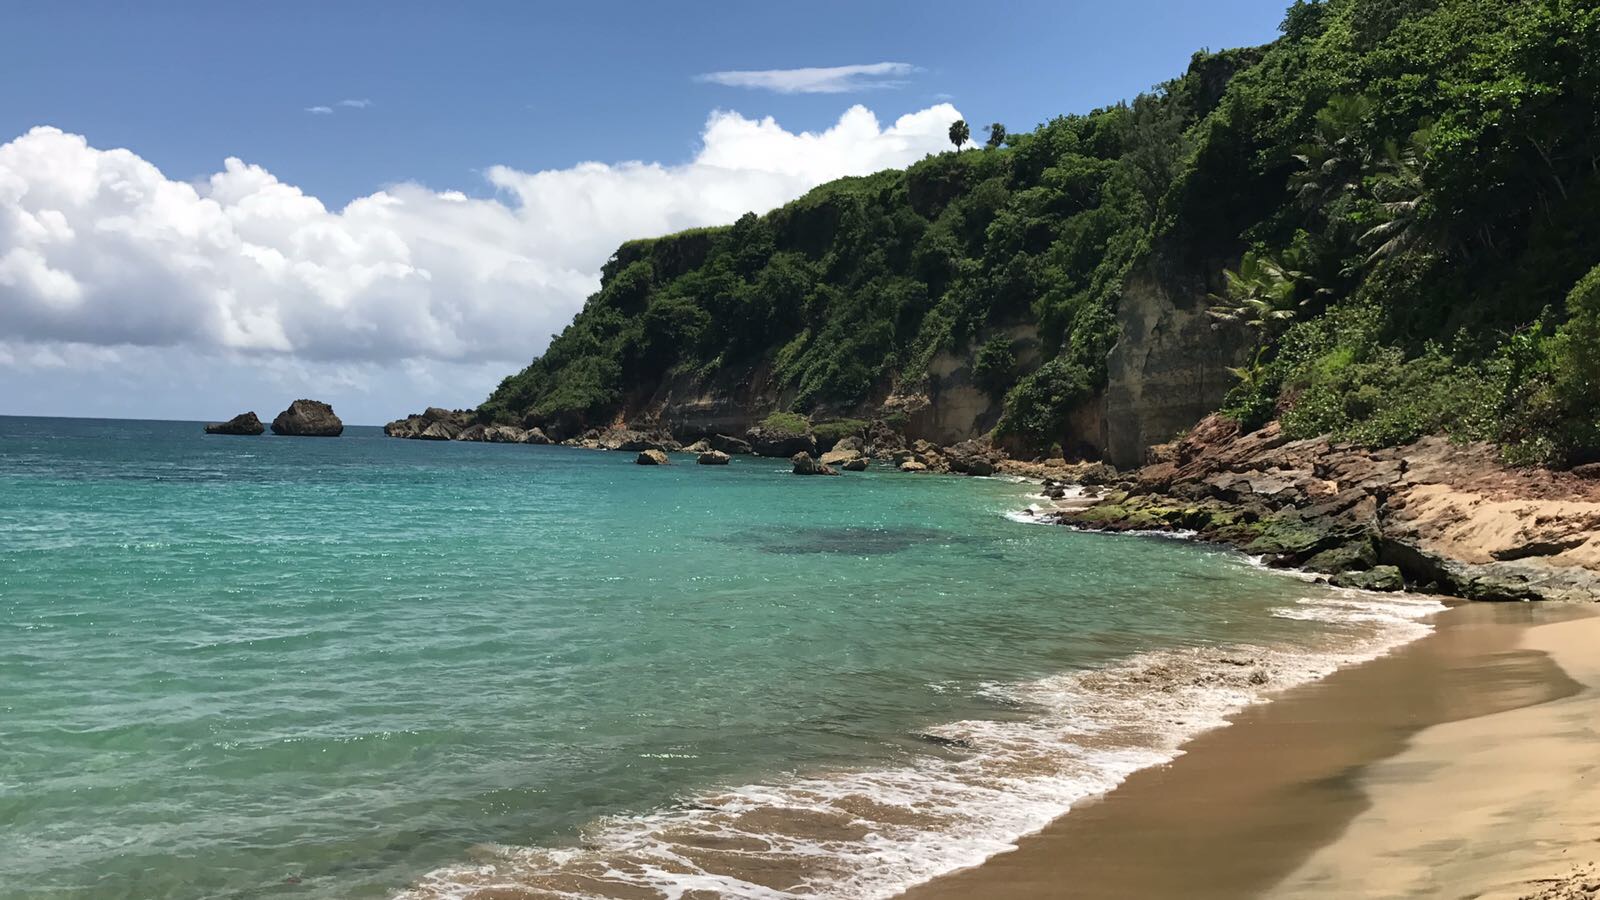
{"x": 365, "y": 667}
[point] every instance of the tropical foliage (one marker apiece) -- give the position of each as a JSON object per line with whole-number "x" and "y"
{"x": 1396, "y": 197}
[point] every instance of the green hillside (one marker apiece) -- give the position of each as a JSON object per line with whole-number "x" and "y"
{"x": 1403, "y": 193}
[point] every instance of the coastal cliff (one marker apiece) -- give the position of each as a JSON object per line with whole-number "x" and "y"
{"x": 1374, "y": 232}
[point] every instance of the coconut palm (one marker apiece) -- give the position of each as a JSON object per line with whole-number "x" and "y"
{"x": 1261, "y": 294}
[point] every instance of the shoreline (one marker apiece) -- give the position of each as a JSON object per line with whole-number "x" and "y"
{"x": 1307, "y": 790}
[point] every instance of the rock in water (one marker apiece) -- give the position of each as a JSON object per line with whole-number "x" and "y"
{"x": 713, "y": 458}
{"x": 1379, "y": 578}
{"x": 652, "y": 458}
{"x": 243, "y": 423}
{"x": 308, "y": 418}
{"x": 805, "y": 465}
{"x": 858, "y": 464}
{"x": 912, "y": 465}
{"x": 837, "y": 457}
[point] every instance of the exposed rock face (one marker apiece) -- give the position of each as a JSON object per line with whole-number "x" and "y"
{"x": 535, "y": 436}
{"x": 243, "y": 423}
{"x": 631, "y": 439}
{"x": 1448, "y": 518}
{"x": 308, "y": 418}
{"x": 912, "y": 465}
{"x": 730, "y": 445}
{"x": 699, "y": 446}
{"x": 837, "y": 457}
{"x": 713, "y": 458}
{"x": 776, "y": 442}
{"x": 495, "y": 434}
{"x": 652, "y": 458}
{"x": 437, "y": 431}
{"x": 859, "y": 464}
{"x": 1170, "y": 364}
{"x": 413, "y": 426}
{"x": 804, "y": 464}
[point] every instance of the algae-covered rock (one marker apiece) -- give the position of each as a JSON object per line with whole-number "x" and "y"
{"x": 1379, "y": 578}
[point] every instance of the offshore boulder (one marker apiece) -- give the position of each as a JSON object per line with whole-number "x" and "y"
{"x": 652, "y": 458}
{"x": 804, "y": 464}
{"x": 243, "y": 423}
{"x": 308, "y": 418}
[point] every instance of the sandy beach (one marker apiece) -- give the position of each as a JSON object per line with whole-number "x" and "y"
{"x": 1459, "y": 766}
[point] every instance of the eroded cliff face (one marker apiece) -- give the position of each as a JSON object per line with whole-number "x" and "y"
{"x": 949, "y": 407}
{"x": 1169, "y": 367}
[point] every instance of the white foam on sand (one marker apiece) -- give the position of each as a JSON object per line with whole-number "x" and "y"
{"x": 873, "y": 833}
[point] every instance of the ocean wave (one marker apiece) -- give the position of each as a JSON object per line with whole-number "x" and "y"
{"x": 868, "y": 834}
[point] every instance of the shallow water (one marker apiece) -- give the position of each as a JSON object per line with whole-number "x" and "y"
{"x": 327, "y": 668}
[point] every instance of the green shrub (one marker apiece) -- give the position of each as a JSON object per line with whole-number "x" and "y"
{"x": 838, "y": 429}
{"x": 995, "y": 367}
{"x": 786, "y": 422}
{"x": 1036, "y": 409}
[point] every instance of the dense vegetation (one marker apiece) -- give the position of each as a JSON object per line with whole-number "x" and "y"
{"x": 1403, "y": 191}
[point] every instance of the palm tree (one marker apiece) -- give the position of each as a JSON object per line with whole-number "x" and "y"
{"x": 997, "y": 136}
{"x": 1261, "y": 295}
{"x": 1335, "y": 158}
{"x": 1401, "y": 193}
{"x": 959, "y": 132}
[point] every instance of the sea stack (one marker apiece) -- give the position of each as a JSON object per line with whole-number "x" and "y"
{"x": 243, "y": 423}
{"x": 308, "y": 418}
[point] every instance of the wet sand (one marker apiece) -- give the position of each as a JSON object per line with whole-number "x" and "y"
{"x": 1450, "y": 768}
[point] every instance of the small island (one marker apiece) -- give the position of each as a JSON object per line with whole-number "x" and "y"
{"x": 308, "y": 418}
{"x": 243, "y": 424}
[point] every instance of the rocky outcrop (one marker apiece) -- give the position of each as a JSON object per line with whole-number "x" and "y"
{"x": 837, "y": 457}
{"x": 243, "y": 423}
{"x": 501, "y": 434}
{"x": 767, "y": 441}
{"x": 972, "y": 458}
{"x": 1432, "y": 515}
{"x": 652, "y": 458}
{"x": 730, "y": 445}
{"x": 452, "y": 421}
{"x": 804, "y": 464}
{"x": 308, "y": 418}
{"x": 713, "y": 458}
{"x": 859, "y": 464}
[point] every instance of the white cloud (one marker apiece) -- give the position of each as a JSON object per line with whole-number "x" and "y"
{"x": 826, "y": 80}
{"x": 102, "y": 250}
{"x": 320, "y": 110}
{"x": 354, "y": 104}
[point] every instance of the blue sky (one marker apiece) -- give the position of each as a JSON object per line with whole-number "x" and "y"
{"x": 435, "y": 96}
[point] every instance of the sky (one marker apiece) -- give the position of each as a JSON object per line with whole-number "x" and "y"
{"x": 213, "y": 207}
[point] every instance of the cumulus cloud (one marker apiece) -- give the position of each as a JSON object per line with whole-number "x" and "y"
{"x": 100, "y": 249}
{"x": 825, "y": 80}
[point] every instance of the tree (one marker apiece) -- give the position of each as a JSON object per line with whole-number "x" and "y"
{"x": 997, "y": 136}
{"x": 959, "y": 132}
{"x": 1260, "y": 294}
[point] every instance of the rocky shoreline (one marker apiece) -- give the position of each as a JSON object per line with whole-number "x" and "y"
{"x": 1431, "y": 516}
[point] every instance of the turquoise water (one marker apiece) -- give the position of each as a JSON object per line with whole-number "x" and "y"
{"x": 239, "y": 667}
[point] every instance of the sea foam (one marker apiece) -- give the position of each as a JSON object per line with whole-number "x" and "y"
{"x": 873, "y": 833}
